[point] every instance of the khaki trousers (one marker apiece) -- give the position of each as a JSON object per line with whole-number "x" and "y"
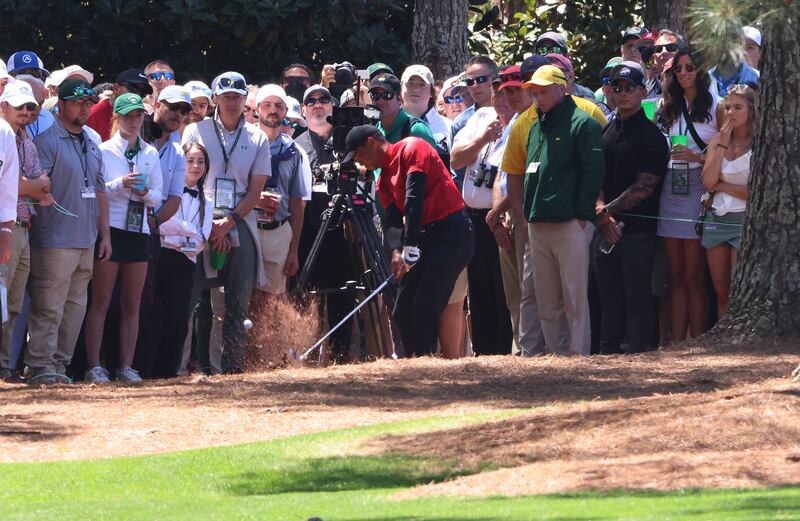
{"x": 511, "y": 269}
{"x": 58, "y": 281}
{"x": 19, "y": 265}
{"x": 560, "y": 261}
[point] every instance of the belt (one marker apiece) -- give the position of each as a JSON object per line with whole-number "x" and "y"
{"x": 479, "y": 212}
{"x": 450, "y": 218}
{"x": 273, "y": 224}
{"x": 23, "y": 224}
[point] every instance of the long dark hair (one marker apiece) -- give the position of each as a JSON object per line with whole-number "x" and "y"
{"x": 672, "y": 107}
{"x": 200, "y": 182}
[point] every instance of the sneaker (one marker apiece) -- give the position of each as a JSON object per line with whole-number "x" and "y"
{"x": 10, "y": 376}
{"x": 97, "y": 375}
{"x": 126, "y": 374}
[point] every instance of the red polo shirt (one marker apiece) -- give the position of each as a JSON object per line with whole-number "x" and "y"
{"x": 100, "y": 119}
{"x": 410, "y": 155}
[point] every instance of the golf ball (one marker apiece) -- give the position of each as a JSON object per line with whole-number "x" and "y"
{"x": 248, "y": 324}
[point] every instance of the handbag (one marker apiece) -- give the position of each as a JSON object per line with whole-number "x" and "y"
{"x": 698, "y": 224}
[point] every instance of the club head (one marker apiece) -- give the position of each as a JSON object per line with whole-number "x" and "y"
{"x": 294, "y": 355}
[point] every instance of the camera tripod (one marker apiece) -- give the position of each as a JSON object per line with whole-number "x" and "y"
{"x": 353, "y": 212}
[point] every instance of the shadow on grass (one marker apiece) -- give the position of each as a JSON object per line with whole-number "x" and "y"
{"x": 335, "y": 474}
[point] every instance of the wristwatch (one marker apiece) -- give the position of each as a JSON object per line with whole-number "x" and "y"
{"x": 604, "y": 211}
{"x": 235, "y": 216}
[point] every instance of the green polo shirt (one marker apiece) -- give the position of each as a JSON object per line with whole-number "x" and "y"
{"x": 418, "y": 129}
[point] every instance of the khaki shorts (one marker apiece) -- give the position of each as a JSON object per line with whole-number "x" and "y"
{"x": 274, "y": 250}
{"x": 460, "y": 289}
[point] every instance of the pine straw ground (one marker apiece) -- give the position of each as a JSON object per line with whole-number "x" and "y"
{"x": 721, "y": 416}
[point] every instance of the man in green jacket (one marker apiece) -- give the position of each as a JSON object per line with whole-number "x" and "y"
{"x": 556, "y": 193}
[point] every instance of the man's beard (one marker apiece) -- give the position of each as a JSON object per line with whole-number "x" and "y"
{"x": 271, "y": 121}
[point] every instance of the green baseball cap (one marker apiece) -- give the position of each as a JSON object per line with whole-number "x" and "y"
{"x": 616, "y": 60}
{"x": 128, "y": 102}
{"x": 375, "y": 68}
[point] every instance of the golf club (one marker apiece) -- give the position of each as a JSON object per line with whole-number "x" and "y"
{"x": 293, "y": 353}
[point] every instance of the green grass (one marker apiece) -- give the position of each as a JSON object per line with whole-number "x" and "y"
{"x": 318, "y": 475}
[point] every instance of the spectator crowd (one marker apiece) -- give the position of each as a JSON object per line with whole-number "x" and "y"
{"x": 146, "y": 224}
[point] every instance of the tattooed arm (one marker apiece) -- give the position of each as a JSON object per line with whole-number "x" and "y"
{"x": 643, "y": 188}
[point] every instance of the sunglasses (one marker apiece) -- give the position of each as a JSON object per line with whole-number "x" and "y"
{"x": 289, "y": 123}
{"x": 178, "y": 107}
{"x": 375, "y": 96}
{"x": 680, "y": 68}
{"x": 510, "y": 76}
{"x": 232, "y": 83}
{"x": 85, "y": 102}
{"x": 617, "y": 88}
{"x": 251, "y": 110}
{"x": 30, "y": 107}
{"x": 480, "y": 80}
{"x": 544, "y": 50}
{"x": 606, "y": 80}
{"x": 323, "y": 100}
{"x": 670, "y": 47}
{"x": 157, "y": 76}
{"x": 453, "y": 99}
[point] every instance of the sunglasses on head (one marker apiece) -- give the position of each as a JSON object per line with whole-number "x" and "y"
{"x": 617, "y": 88}
{"x": 479, "y": 80}
{"x": 232, "y": 83}
{"x": 670, "y": 47}
{"x": 30, "y": 107}
{"x": 183, "y": 108}
{"x": 157, "y": 76}
{"x": 453, "y": 99}
{"x": 545, "y": 50}
{"x": 387, "y": 95}
{"x": 323, "y": 100}
{"x": 680, "y": 68}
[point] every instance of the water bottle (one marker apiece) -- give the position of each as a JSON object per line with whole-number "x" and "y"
{"x": 607, "y": 246}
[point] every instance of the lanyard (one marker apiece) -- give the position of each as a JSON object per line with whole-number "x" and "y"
{"x": 84, "y": 159}
{"x": 226, "y": 154}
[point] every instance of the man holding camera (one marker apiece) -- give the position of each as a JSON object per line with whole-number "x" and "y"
{"x": 435, "y": 242}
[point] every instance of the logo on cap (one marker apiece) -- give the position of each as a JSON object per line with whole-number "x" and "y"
{"x": 624, "y": 71}
{"x": 27, "y": 58}
{"x": 131, "y": 99}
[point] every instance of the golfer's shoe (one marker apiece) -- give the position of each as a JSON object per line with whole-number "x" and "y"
{"x": 126, "y": 374}
{"x": 96, "y": 375}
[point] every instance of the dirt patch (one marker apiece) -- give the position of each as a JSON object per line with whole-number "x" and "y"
{"x": 83, "y": 421}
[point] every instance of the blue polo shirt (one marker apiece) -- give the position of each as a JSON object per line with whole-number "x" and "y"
{"x": 745, "y": 75}
{"x": 173, "y": 166}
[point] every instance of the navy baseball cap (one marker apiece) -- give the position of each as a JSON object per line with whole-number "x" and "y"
{"x": 356, "y": 138}
{"x": 630, "y": 72}
{"x": 532, "y": 63}
{"x": 23, "y": 60}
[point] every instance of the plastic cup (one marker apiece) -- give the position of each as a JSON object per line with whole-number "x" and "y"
{"x": 217, "y": 260}
{"x": 679, "y": 140}
{"x": 649, "y": 107}
{"x": 142, "y": 184}
{"x": 261, "y": 216}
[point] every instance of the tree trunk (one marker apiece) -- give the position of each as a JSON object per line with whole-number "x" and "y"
{"x": 765, "y": 291}
{"x": 439, "y": 38}
{"x": 665, "y": 14}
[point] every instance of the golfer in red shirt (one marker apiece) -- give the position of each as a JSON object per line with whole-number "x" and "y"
{"x": 425, "y": 227}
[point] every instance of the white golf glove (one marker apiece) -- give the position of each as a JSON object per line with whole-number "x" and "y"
{"x": 411, "y": 255}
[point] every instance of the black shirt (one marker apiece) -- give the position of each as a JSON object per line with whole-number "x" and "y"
{"x": 314, "y": 146}
{"x": 632, "y": 146}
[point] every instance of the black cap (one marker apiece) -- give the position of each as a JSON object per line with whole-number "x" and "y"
{"x": 532, "y": 63}
{"x": 74, "y": 90}
{"x": 633, "y": 33}
{"x": 356, "y": 138}
{"x": 385, "y": 81}
{"x": 136, "y": 78}
{"x": 629, "y": 73}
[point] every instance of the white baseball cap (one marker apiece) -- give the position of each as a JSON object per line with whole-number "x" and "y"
{"x": 4, "y": 72}
{"x": 752, "y": 33}
{"x": 198, "y": 89}
{"x": 294, "y": 111}
{"x": 18, "y": 93}
{"x": 55, "y": 78}
{"x": 229, "y": 82}
{"x": 417, "y": 70}
{"x": 271, "y": 90}
{"x": 175, "y": 94}
{"x": 75, "y": 70}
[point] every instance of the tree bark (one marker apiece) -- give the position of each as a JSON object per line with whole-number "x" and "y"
{"x": 765, "y": 297}
{"x": 439, "y": 38}
{"x": 666, "y": 14}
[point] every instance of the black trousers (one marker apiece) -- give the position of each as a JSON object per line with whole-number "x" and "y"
{"x": 623, "y": 279}
{"x": 165, "y": 323}
{"x": 447, "y": 247}
{"x": 492, "y": 332}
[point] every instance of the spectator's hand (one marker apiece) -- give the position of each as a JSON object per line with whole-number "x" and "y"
{"x": 492, "y": 132}
{"x": 5, "y": 249}
{"x": 492, "y": 218}
{"x": 221, "y": 245}
{"x": 220, "y": 228}
{"x": 140, "y": 193}
{"x": 503, "y": 237}
{"x": 725, "y": 132}
{"x": 44, "y": 181}
{"x": 399, "y": 268}
{"x": 47, "y": 200}
{"x": 610, "y": 230}
{"x": 328, "y": 75}
{"x": 269, "y": 203}
{"x": 104, "y": 248}
{"x": 292, "y": 264}
{"x": 131, "y": 179}
{"x": 682, "y": 153}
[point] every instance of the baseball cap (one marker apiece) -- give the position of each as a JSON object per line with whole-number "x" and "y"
{"x": 271, "y": 90}
{"x": 547, "y": 75}
{"x": 3, "y": 71}
{"x": 74, "y": 89}
{"x": 39, "y": 90}
{"x": 609, "y": 65}
{"x": 418, "y": 70}
{"x": 18, "y": 93}
{"x": 356, "y": 138}
{"x": 314, "y": 89}
{"x": 22, "y": 60}
{"x": 752, "y": 33}
{"x": 532, "y": 63}
{"x": 134, "y": 77}
{"x": 385, "y": 81}
{"x": 198, "y": 89}
{"x": 633, "y": 33}
{"x": 376, "y": 68}
{"x": 293, "y": 111}
{"x": 647, "y": 40}
{"x": 553, "y": 36}
{"x": 560, "y": 61}
{"x": 175, "y": 94}
{"x": 229, "y": 82}
{"x": 55, "y": 78}
{"x": 126, "y": 103}
{"x": 508, "y": 75}
{"x": 628, "y": 72}
{"x": 72, "y": 70}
